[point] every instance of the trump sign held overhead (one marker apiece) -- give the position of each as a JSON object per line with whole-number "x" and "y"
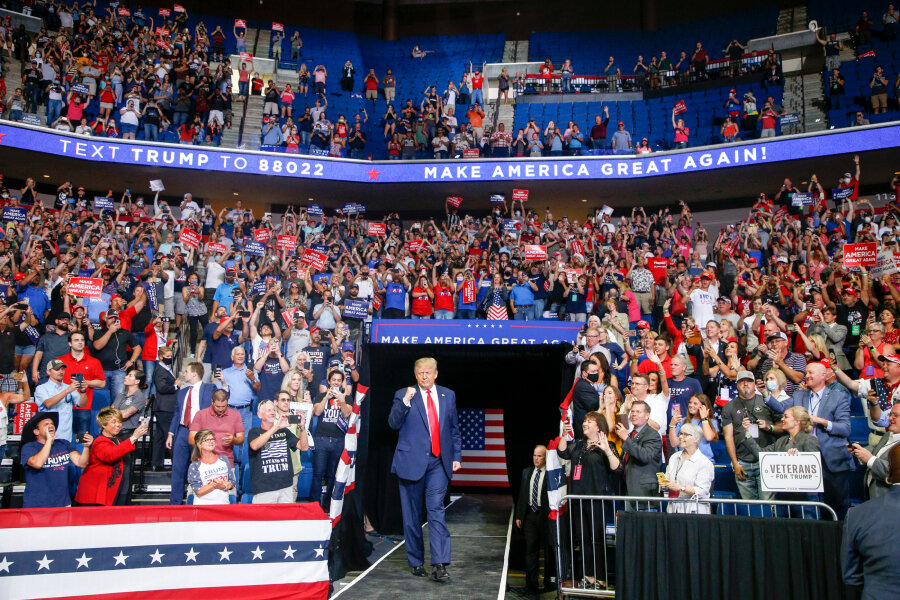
{"x": 239, "y": 551}
{"x": 861, "y": 255}
{"x": 535, "y": 252}
{"x": 189, "y": 238}
{"x": 286, "y": 242}
{"x": 85, "y": 287}
{"x": 520, "y": 195}
{"x": 378, "y": 229}
{"x": 314, "y": 258}
{"x": 454, "y": 201}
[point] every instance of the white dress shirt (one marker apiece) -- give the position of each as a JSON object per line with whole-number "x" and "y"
{"x": 696, "y": 471}
{"x": 437, "y": 405}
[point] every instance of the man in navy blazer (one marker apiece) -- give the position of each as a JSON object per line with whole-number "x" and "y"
{"x": 871, "y": 545}
{"x": 829, "y": 411}
{"x": 200, "y": 397}
{"x": 428, "y": 451}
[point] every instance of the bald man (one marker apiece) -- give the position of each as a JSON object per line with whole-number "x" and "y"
{"x": 829, "y": 411}
{"x": 871, "y": 546}
{"x": 533, "y": 519}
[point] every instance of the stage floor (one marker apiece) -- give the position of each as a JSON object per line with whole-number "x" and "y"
{"x": 478, "y": 528}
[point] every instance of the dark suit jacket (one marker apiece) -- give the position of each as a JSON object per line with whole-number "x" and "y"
{"x": 584, "y": 399}
{"x": 644, "y": 461}
{"x": 834, "y": 406}
{"x": 165, "y": 390}
{"x": 414, "y": 446}
{"x": 871, "y": 547}
{"x": 206, "y": 393}
{"x": 523, "y": 503}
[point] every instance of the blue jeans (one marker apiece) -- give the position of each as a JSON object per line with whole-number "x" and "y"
{"x": 524, "y": 313}
{"x": 837, "y": 101}
{"x": 179, "y": 119}
{"x": 750, "y": 487}
{"x": 465, "y": 313}
{"x": 325, "y": 461}
{"x": 599, "y": 144}
{"x": 54, "y": 109}
{"x": 115, "y": 383}
{"x": 82, "y": 421}
{"x": 478, "y": 96}
{"x": 539, "y": 305}
{"x": 243, "y": 86}
{"x": 149, "y": 366}
{"x": 443, "y": 314}
{"x": 151, "y": 132}
{"x": 566, "y": 81}
{"x": 419, "y": 316}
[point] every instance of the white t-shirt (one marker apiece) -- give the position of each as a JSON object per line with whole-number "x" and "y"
{"x": 703, "y": 305}
{"x": 215, "y": 274}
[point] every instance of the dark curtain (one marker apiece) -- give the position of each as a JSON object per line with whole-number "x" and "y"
{"x": 663, "y": 556}
{"x": 528, "y": 382}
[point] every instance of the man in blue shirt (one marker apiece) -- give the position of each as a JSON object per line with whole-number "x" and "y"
{"x": 241, "y": 384}
{"x": 46, "y": 457}
{"x": 538, "y": 279}
{"x": 56, "y": 396}
{"x": 522, "y": 298}
{"x": 225, "y": 292}
{"x": 575, "y": 140}
{"x": 225, "y": 338}
{"x": 31, "y": 287}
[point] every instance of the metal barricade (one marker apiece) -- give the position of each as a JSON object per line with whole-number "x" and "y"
{"x": 585, "y": 540}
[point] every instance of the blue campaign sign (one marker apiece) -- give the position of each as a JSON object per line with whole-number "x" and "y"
{"x": 152, "y": 300}
{"x": 489, "y": 333}
{"x": 319, "y": 248}
{"x": 314, "y": 210}
{"x": 790, "y": 119}
{"x": 259, "y": 287}
{"x": 585, "y": 168}
{"x": 255, "y": 248}
{"x": 103, "y": 203}
{"x": 356, "y": 309}
{"x": 498, "y": 198}
{"x": 16, "y": 214}
{"x": 841, "y": 193}
{"x": 802, "y": 199}
{"x": 509, "y": 225}
{"x": 349, "y": 208}
{"x": 32, "y": 119}
{"x": 81, "y": 88}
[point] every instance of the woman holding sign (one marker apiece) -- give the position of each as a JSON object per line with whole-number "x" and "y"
{"x": 798, "y": 427}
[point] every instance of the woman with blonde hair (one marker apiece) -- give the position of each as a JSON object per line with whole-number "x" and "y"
{"x": 296, "y": 384}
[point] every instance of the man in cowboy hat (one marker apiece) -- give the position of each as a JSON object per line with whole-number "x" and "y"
{"x": 46, "y": 460}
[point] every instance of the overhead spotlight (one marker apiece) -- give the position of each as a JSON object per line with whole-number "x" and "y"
{"x": 46, "y": 176}
{"x": 234, "y": 194}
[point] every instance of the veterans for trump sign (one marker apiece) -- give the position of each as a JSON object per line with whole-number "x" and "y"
{"x": 784, "y": 472}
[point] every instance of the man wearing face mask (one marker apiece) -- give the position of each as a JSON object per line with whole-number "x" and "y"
{"x": 585, "y": 398}
{"x": 851, "y": 182}
{"x": 167, "y": 385}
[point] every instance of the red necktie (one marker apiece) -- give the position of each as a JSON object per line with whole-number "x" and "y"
{"x": 434, "y": 426}
{"x": 633, "y": 435}
{"x": 187, "y": 408}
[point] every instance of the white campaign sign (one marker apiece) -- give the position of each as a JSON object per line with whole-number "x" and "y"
{"x": 783, "y": 472}
{"x": 886, "y": 265}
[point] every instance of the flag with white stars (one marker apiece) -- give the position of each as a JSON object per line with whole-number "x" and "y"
{"x": 483, "y": 448}
{"x": 251, "y": 552}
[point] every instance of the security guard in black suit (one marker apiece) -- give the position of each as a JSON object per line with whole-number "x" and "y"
{"x": 533, "y": 519}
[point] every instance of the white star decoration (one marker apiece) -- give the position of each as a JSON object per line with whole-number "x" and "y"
{"x": 44, "y": 563}
{"x": 225, "y": 555}
{"x": 84, "y": 560}
{"x": 5, "y": 564}
{"x": 120, "y": 559}
{"x": 320, "y": 552}
{"x": 289, "y": 553}
{"x": 191, "y": 555}
{"x": 156, "y": 557}
{"x": 257, "y": 553}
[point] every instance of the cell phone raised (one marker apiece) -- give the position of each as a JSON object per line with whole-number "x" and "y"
{"x": 295, "y": 419}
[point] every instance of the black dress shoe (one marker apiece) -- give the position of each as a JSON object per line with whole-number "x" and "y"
{"x": 439, "y": 573}
{"x": 419, "y": 571}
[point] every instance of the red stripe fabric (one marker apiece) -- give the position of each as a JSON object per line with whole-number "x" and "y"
{"x": 294, "y": 591}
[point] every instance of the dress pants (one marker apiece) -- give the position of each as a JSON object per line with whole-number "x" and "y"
{"x": 181, "y": 460}
{"x": 536, "y": 526}
{"x": 428, "y": 493}
{"x": 837, "y": 491}
{"x": 160, "y": 433}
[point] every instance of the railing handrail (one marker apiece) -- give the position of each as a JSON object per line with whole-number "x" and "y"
{"x": 710, "y": 500}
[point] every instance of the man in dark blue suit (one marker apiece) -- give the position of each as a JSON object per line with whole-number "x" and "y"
{"x": 871, "y": 545}
{"x": 428, "y": 452}
{"x": 829, "y": 412}
{"x": 191, "y": 399}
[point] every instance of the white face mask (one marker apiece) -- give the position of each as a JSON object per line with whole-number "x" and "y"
{"x": 771, "y": 385}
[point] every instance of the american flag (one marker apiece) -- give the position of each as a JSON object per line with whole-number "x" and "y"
{"x": 483, "y": 448}
{"x": 345, "y": 477}
{"x": 251, "y": 552}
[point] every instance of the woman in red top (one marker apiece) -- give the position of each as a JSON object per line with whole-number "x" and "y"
{"x": 107, "y": 101}
{"x": 394, "y": 147}
{"x": 443, "y": 296}
{"x": 287, "y": 101}
{"x": 422, "y": 296}
{"x": 100, "y": 481}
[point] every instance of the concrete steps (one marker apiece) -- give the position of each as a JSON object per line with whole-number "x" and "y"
{"x": 262, "y": 43}
{"x": 522, "y": 51}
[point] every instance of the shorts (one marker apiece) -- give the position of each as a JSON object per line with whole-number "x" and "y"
{"x": 271, "y": 108}
{"x": 180, "y": 306}
{"x": 320, "y": 87}
{"x": 8, "y": 384}
{"x": 126, "y": 128}
{"x": 879, "y": 101}
{"x": 169, "y": 307}
{"x": 371, "y": 94}
{"x": 26, "y": 350}
{"x": 389, "y": 94}
{"x": 106, "y": 106}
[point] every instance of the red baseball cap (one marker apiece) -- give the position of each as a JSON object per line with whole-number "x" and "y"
{"x": 642, "y": 325}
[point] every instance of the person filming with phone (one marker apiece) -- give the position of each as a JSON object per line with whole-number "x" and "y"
{"x": 103, "y": 481}
{"x": 333, "y": 407}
